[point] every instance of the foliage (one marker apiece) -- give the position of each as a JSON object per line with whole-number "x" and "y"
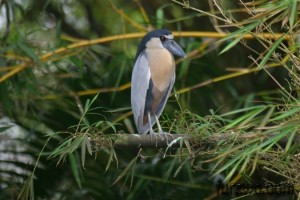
{"x": 65, "y": 71}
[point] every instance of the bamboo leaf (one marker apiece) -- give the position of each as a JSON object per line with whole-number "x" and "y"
{"x": 83, "y": 150}
{"x": 270, "y": 52}
{"x": 237, "y": 111}
{"x": 288, "y": 113}
{"x": 28, "y": 51}
{"x": 160, "y": 17}
{"x": 234, "y": 161}
{"x": 231, "y": 44}
{"x": 58, "y": 150}
{"x": 87, "y": 105}
{"x": 122, "y": 109}
{"x": 75, "y": 169}
{"x": 240, "y": 31}
{"x": 293, "y": 14}
{"x": 110, "y": 159}
{"x": 267, "y": 117}
{"x": 269, "y": 143}
{"x": 119, "y": 78}
{"x": 233, "y": 170}
{"x": 88, "y": 145}
{"x": 251, "y": 115}
{"x": 246, "y": 117}
{"x": 27, "y": 191}
{"x": 291, "y": 139}
{"x": 131, "y": 164}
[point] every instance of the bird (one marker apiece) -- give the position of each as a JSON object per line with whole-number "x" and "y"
{"x": 153, "y": 77}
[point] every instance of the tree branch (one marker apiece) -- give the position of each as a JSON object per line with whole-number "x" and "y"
{"x": 121, "y": 141}
{"x": 150, "y": 141}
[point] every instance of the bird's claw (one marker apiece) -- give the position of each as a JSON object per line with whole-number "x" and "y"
{"x": 163, "y": 135}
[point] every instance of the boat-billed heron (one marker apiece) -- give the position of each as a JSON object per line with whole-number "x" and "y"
{"x": 153, "y": 77}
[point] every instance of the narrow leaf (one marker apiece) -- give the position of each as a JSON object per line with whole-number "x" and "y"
{"x": 83, "y": 150}
{"x": 241, "y": 31}
{"x": 88, "y": 145}
{"x": 293, "y": 14}
{"x": 291, "y": 139}
{"x": 268, "y": 55}
{"x": 231, "y": 44}
{"x": 75, "y": 169}
{"x": 246, "y": 117}
{"x": 28, "y": 51}
{"x": 286, "y": 114}
{"x": 132, "y": 163}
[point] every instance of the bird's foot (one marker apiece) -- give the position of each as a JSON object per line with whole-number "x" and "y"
{"x": 163, "y": 135}
{"x": 167, "y": 136}
{"x": 155, "y": 134}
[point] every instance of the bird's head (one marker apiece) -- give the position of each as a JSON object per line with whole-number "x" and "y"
{"x": 160, "y": 38}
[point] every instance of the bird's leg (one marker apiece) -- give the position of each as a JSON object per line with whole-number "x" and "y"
{"x": 151, "y": 130}
{"x": 161, "y": 132}
{"x": 158, "y": 125}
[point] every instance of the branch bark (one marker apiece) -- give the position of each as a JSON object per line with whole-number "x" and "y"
{"x": 121, "y": 141}
{"x": 150, "y": 141}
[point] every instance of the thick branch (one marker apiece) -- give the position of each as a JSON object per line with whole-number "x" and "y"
{"x": 150, "y": 141}
{"x": 168, "y": 140}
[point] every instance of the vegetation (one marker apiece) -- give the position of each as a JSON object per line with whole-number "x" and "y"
{"x": 65, "y": 70}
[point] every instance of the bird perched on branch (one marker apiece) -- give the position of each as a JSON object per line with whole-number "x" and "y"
{"x": 152, "y": 78}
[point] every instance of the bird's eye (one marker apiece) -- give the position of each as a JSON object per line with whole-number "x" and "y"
{"x": 162, "y": 38}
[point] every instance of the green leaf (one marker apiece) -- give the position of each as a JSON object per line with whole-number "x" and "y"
{"x": 184, "y": 67}
{"x": 234, "y": 161}
{"x": 122, "y": 109}
{"x": 270, "y": 142}
{"x": 231, "y": 44}
{"x": 83, "y": 148}
{"x": 118, "y": 81}
{"x": 75, "y": 169}
{"x": 240, "y": 32}
{"x": 112, "y": 157}
{"x": 288, "y": 113}
{"x": 27, "y": 191}
{"x": 242, "y": 110}
{"x": 128, "y": 167}
{"x": 88, "y": 145}
{"x": 293, "y": 14}
{"x": 244, "y": 118}
{"x": 251, "y": 115}
{"x": 28, "y": 51}
{"x": 77, "y": 62}
{"x": 291, "y": 139}
{"x": 87, "y": 105}
{"x": 58, "y": 150}
{"x": 268, "y": 55}
{"x": 159, "y": 17}
{"x": 85, "y": 145}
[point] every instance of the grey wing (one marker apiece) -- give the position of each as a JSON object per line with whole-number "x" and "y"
{"x": 139, "y": 86}
{"x": 155, "y": 102}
